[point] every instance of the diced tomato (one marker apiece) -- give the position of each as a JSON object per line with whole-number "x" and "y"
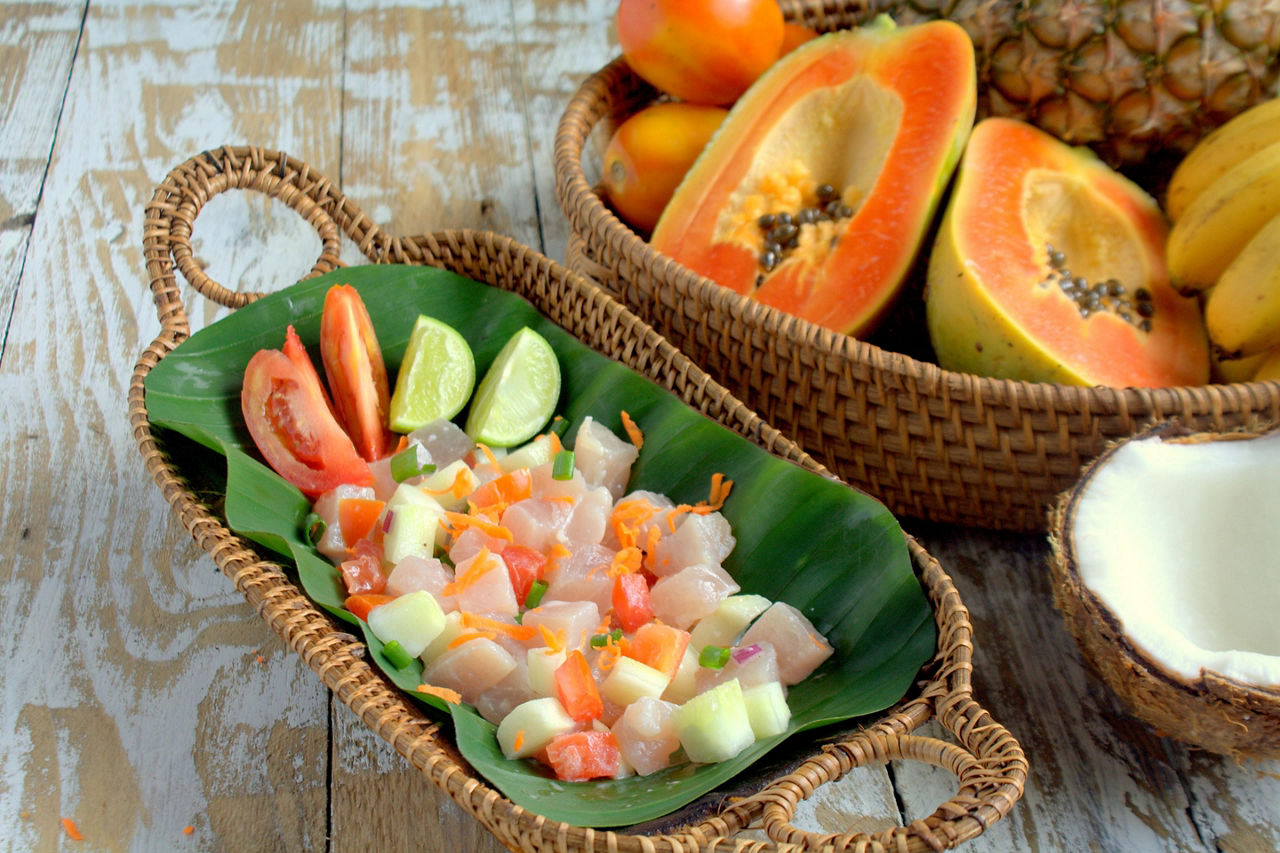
{"x": 660, "y": 646}
{"x": 505, "y": 490}
{"x": 579, "y": 756}
{"x": 576, "y": 688}
{"x": 525, "y": 566}
{"x": 288, "y": 416}
{"x": 360, "y": 605}
{"x": 356, "y": 518}
{"x": 363, "y": 572}
{"x": 356, "y": 372}
{"x": 631, "y": 601}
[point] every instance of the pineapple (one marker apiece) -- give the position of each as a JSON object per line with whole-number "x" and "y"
{"x": 1126, "y": 77}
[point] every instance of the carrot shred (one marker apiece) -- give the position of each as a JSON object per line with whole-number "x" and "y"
{"x": 519, "y": 741}
{"x": 488, "y": 455}
{"x": 556, "y": 444}
{"x": 73, "y": 832}
{"x": 555, "y": 642}
{"x": 478, "y": 568}
{"x": 625, "y": 561}
{"x": 556, "y": 553}
{"x": 516, "y": 632}
{"x": 453, "y": 697}
{"x": 468, "y": 636}
{"x": 459, "y": 488}
{"x": 633, "y": 431}
{"x": 454, "y": 521}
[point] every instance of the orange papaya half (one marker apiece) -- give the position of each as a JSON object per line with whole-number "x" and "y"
{"x": 815, "y": 193}
{"x": 1049, "y": 266}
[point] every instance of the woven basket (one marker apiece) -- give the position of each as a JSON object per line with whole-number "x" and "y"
{"x": 930, "y": 443}
{"x": 986, "y": 759}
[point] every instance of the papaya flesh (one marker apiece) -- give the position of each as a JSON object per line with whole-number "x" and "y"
{"x": 844, "y": 147}
{"x": 1049, "y": 266}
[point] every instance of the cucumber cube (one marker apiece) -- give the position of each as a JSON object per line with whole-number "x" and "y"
{"x": 630, "y": 679}
{"x": 531, "y": 725}
{"x": 767, "y": 709}
{"x": 543, "y": 663}
{"x": 441, "y": 485}
{"x": 414, "y": 528}
{"x": 412, "y": 620}
{"x": 722, "y": 626}
{"x": 714, "y": 726}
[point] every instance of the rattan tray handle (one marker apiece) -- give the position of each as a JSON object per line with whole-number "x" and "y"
{"x": 987, "y": 760}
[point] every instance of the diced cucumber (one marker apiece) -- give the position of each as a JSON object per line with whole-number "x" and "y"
{"x": 730, "y": 618}
{"x": 440, "y": 485}
{"x": 543, "y": 663}
{"x": 629, "y": 679}
{"x": 453, "y": 627}
{"x": 529, "y": 455}
{"x": 714, "y": 726}
{"x": 414, "y": 528}
{"x": 413, "y": 620}
{"x": 684, "y": 683}
{"x": 531, "y": 725}
{"x": 767, "y": 709}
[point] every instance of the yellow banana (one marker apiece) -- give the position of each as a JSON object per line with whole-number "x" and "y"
{"x": 1270, "y": 367}
{"x": 1242, "y": 311}
{"x": 1222, "y": 219}
{"x": 1230, "y": 370}
{"x": 1215, "y": 155}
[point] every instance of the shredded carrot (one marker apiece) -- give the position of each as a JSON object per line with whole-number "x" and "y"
{"x": 450, "y": 696}
{"x": 556, "y": 553}
{"x": 720, "y": 488}
{"x": 606, "y": 625}
{"x": 401, "y": 444}
{"x": 478, "y": 568}
{"x": 519, "y": 741}
{"x": 72, "y": 831}
{"x": 455, "y": 521}
{"x": 610, "y": 653}
{"x": 625, "y": 561}
{"x": 516, "y": 632}
{"x": 555, "y": 642}
{"x": 556, "y": 444}
{"x": 468, "y": 636}
{"x": 564, "y": 499}
{"x": 633, "y": 431}
{"x": 626, "y": 518}
{"x": 817, "y": 641}
{"x": 488, "y": 454}
{"x": 459, "y": 488}
{"x": 650, "y": 549}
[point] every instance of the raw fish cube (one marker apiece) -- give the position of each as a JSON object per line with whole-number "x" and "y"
{"x": 470, "y": 541}
{"x": 690, "y": 594}
{"x": 331, "y": 544}
{"x": 583, "y": 575}
{"x": 699, "y": 539}
{"x": 604, "y": 459}
{"x": 428, "y": 573}
{"x": 482, "y": 585}
{"x": 751, "y": 665}
{"x": 800, "y": 648}
{"x": 498, "y": 701}
{"x": 534, "y": 523}
{"x": 576, "y": 621}
{"x": 548, "y": 488}
{"x": 646, "y": 734}
{"x": 589, "y": 518}
{"x": 470, "y": 668}
{"x": 445, "y": 440}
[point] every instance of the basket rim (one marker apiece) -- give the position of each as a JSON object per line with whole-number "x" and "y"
{"x": 592, "y": 104}
{"x": 337, "y": 656}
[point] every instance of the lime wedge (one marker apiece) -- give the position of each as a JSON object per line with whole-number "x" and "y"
{"x": 518, "y": 394}
{"x": 436, "y": 377}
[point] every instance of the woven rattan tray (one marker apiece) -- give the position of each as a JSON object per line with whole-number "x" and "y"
{"x": 986, "y": 759}
{"x": 930, "y": 443}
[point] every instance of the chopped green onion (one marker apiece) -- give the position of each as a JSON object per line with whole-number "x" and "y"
{"x": 562, "y": 466}
{"x": 559, "y": 426}
{"x": 536, "y": 590}
{"x": 314, "y": 527}
{"x": 413, "y": 461}
{"x": 713, "y": 657}
{"x": 599, "y": 641}
{"x": 396, "y": 655}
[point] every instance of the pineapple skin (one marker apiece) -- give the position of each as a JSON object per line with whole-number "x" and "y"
{"x": 1128, "y": 78}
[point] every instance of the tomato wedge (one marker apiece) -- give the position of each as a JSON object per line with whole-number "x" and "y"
{"x": 288, "y": 415}
{"x": 356, "y": 372}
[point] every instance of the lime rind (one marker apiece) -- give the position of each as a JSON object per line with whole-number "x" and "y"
{"x": 518, "y": 394}
{"x": 437, "y": 376}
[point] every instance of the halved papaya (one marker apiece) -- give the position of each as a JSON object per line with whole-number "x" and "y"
{"x": 1049, "y": 267}
{"x": 816, "y": 191}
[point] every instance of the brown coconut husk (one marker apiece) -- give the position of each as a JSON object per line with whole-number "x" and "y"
{"x": 1212, "y": 712}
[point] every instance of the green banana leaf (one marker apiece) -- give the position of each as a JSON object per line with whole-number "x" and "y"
{"x": 815, "y": 543}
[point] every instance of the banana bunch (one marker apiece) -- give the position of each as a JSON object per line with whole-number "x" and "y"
{"x": 1224, "y": 202}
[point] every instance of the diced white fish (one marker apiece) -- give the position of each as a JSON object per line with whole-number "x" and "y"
{"x": 470, "y": 668}
{"x": 496, "y": 702}
{"x": 535, "y": 523}
{"x": 546, "y": 487}
{"x": 604, "y": 459}
{"x": 698, "y": 539}
{"x": 487, "y": 590}
{"x": 582, "y": 575}
{"x": 690, "y": 594}
{"x": 799, "y": 646}
{"x": 646, "y": 734}
{"x": 445, "y": 440}
{"x": 589, "y": 518}
{"x": 426, "y": 573}
{"x": 470, "y": 541}
{"x": 331, "y": 544}
{"x": 576, "y": 621}
{"x": 656, "y": 512}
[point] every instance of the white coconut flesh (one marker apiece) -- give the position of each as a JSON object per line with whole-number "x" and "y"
{"x": 1181, "y": 541}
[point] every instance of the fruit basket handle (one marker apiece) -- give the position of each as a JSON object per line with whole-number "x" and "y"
{"x": 986, "y": 759}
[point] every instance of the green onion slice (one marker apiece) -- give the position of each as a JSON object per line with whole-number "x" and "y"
{"x": 396, "y": 655}
{"x": 713, "y": 657}
{"x": 413, "y": 461}
{"x": 314, "y": 527}
{"x": 559, "y": 426}
{"x": 536, "y": 590}
{"x": 599, "y": 641}
{"x": 562, "y": 466}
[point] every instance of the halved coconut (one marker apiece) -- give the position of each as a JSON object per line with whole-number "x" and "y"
{"x": 1166, "y": 566}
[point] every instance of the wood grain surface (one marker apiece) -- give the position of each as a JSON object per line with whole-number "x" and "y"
{"x": 140, "y": 697}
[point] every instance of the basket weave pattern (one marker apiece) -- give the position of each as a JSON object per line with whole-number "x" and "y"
{"x": 930, "y": 443}
{"x": 988, "y": 762}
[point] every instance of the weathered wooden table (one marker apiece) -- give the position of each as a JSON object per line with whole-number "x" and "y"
{"x": 141, "y": 698}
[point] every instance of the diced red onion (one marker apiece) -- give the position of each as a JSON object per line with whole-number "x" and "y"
{"x": 746, "y": 653}
{"x": 386, "y": 520}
